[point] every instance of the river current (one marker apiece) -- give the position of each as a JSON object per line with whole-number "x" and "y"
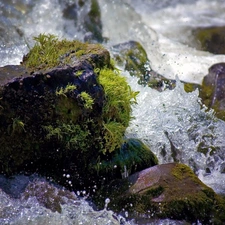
{"x": 164, "y": 28}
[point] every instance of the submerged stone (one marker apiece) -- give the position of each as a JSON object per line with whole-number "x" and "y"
{"x": 88, "y": 20}
{"x": 166, "y": 191}
{"x": 134, "y": 58}
{"x": 48, "y": 195}
{"x": 211, "y": 39}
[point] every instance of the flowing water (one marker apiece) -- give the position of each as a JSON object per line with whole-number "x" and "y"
{"x": 164, "y": 28}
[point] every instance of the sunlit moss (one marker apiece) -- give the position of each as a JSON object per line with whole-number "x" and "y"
{"x": 119, "y": 96}
{"x": 87, "y": 99}
{"x": 48, "y": 51}
{"x": 117, "y": 109}
{"x": 63, "y": 91}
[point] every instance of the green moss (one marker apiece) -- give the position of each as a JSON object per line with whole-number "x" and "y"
{"x": 87, "y": 99}
{"x": 211, "y": 39}
{"x": 79, "y": 72}
{"x": 154, "y": 191}
{"x": 189, "y": 87}
{"x": 206, "y": 93}
{"x": 119, "y": 96}
{"x": 181, "y": 171}
{"x": 63, "y": 91}
{"x": 117, "y": 108}
{"x": 72, "y": 136}
{"x": 67, "y": 109}
{"x": 49, "y": 52}
{"x": 17, "y": 126}
{"x": 113, "y": 136}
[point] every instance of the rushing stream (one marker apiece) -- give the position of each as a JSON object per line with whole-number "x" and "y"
{"x": 164, "y": 28}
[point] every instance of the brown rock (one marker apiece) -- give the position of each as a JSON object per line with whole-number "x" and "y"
{"x": 166, "y": 191}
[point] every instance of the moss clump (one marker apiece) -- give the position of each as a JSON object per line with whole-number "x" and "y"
{"x": 207, "y": 93}
{"x": 63, "y": 91}
{"x": 117, "y": 109}
{"x": 69, "y": 135}
{"x": 87, "y": 99}
{"x": 133, "y": 55}
{"x": 49, "y": 52}
{"x": 17, "y": 126}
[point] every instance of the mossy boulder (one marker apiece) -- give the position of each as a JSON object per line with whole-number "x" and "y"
{"x": 165, "y": 191}
{"x": 211, "y": 39}
{"x": 61, "y": 110}
{"x": 212, "y": 90}
{"x": 134, "y": 58}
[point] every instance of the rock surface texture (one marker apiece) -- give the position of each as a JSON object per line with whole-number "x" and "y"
{"x": 166, "y": 191}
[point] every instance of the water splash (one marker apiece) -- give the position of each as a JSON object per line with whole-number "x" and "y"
{"x": 36, "y": 201}
{"x": 177, "y": 127}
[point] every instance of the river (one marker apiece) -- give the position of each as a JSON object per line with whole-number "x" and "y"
{"x": 165, "y": 29}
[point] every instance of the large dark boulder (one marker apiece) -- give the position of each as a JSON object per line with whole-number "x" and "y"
{"x": 61, "y": 110}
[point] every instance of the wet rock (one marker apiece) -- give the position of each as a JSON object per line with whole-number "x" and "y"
{"x": 212, "y": 91}
{"x": 166, "y": 191}
{"x": 48, "y": 195}
{"x": 211, "y": 39}
{"x": 59, "y": 111}
{"x": 133, "y": 156}
{"x": 134, "y": 58}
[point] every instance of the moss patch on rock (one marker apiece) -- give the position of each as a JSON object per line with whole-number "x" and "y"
{"x": 49, "y": 52}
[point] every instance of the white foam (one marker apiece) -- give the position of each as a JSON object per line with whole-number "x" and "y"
{"x": 174, "y": 124}
{"x": 165, "y": 33}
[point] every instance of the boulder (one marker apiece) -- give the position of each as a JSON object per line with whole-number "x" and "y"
{"x": 212, "y": 90}
{"x": 210, "y": 39}
{"x": 166, "y": 191}
{"x": 61, "y": 110}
